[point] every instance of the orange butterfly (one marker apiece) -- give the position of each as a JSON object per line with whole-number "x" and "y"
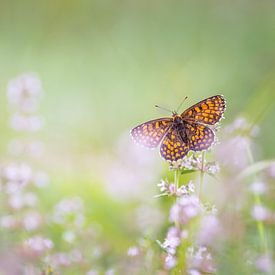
{"x": 181, "y": 133}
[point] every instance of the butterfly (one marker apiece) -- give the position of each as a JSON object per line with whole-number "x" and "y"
{"x": 179, "y": 134}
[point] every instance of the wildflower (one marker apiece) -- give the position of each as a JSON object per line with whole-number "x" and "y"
{"x": 30, "y": 148}
{"x": 210, "y": 229}
{"x": 21, "y": 173}
{"x": 171, "y": 190}
{"x": 242, "y": 126}
{"x": 212, "y": 168}
{"x": 60, "y": 259}
{"x": 69, "y": 210}
{"x": 32, "y": 221}
{"x": 21, "y": 122}
{"x": 186, "y": 208}
{"x": 258, "y": 188}
{"x": 193, "y": 272}
{"x": 265, "y": 264}
{"x": 233, "y": 152}
{"x": 16, "y": 201}
{"x": 24, "y": 92}
{"x": 260, "y": 213}
{"x": 133, "y": 251}
{"x": 200, "y": 259}
{"x": 110, "y": 272}
{"x": 38, "y": 244}
{"x": 172, "y": 241}
{"x": 170, "y": 261}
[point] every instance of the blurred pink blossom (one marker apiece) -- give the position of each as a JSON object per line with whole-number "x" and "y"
{"x": 38, "y": 244}
{"x": 133, "y": 251}
{"x": 210, "y": 231}
{"x": 186, "y": 208}
{"x": 21, "y": 122}
{"x": 258, "y": 187}
{"x": 24, "y": 92}
{"x": 265, "y": 264}
{"x": 21, "y": 173}
{"x": 32, "y": 221}
{"x": 200, "y": 259}
{"x": 170, "y": 261}
{"x": 69, "y": 210}
{"x": 260, "y": 213}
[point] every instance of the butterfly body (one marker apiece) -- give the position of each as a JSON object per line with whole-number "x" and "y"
{"x": 181, "y": 133}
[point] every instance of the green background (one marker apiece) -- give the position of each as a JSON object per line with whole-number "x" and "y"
{"x": 105, "y": 64}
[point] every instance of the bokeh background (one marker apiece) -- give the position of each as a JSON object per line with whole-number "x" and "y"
{"x": 103, "y": 66}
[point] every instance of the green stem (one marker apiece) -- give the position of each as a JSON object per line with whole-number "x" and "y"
{"x": 257, "y": 201}
{"x": 177, "y": 183}
{"x": 181, "y": 251}
{"x": 177, "y": 178}
{"x": 201, "y": 174}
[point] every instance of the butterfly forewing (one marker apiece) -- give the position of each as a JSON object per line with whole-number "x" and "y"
{"x": 208, "y": 111}
{"x": 150, "y": 133}
{"x": 172, "y": 147}
{"x": 200, "y": 136}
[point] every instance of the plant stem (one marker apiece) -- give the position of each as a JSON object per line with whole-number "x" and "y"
{"x": 177, "y": 182}
{"x": 177, "y": 178}
{"x": 257, "y": 201}
{"x": 201, "y": 174}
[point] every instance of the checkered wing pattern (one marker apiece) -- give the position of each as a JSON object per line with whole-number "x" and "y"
{"x": 150, "y": 133}
{"x": 172, "y": 147}
{"x": 200, "y": 136}
{"x": 208, "y": 111}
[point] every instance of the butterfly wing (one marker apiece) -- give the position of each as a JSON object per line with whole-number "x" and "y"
{"x": 200, "y": 136}
{"x": 150, "y": 133}
{"x": 208, "y": 111}
{"x": 173, "y": 147}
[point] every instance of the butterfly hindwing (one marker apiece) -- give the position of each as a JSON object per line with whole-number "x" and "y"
{"x": 200, "y": 136}
{"x": 150, "y": 133}
{"x": 173, "y": 147}
{"x": 208, "y": 111}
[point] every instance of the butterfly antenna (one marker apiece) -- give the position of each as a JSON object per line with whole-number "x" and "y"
{"x": 181, "y": 103}
{"x": 163, "y": 108}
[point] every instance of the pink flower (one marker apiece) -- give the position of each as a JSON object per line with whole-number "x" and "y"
{"x": 186, "y": 208}
{"x": 38, "y": 244}
{"x": 265, "y": 264}
{"x": 133, "y": 251}
{"x": 24, "y": 92}
{"x": 260, "y": 213}
{"x": 32, "y": 221}
{"x": 170, "y": 261}
{"x": 210, "y": 229}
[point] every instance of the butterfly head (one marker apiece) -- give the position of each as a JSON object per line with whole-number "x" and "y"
{"x": 176, "y": 118}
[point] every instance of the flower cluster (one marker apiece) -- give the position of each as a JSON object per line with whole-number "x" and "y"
{"x": 194, "y": 162}
{"x": 170, "y": 189}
